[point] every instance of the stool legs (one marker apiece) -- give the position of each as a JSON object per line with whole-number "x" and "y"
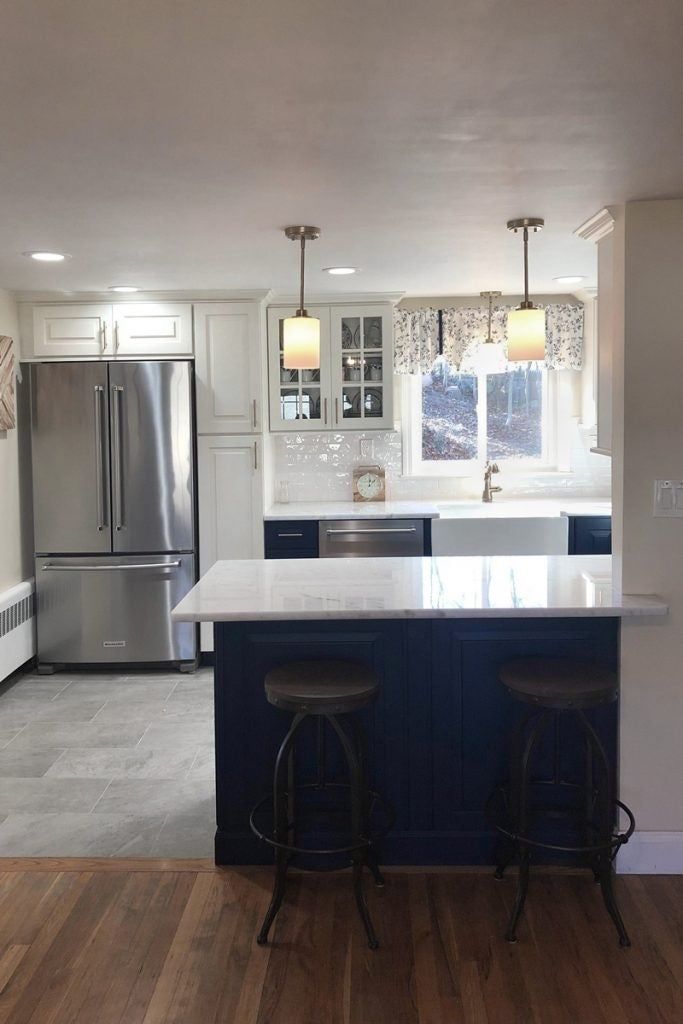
{"x": 519, "y": 794}
{"x": 603, "y": 868}
{"x": 358, "y": 822}
{"x": 281, "y": 794}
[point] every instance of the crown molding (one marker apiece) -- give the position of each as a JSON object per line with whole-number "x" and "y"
{"x": 597, "y": 226}
{"x": 176, "y": 295}
{"x": 334, "y": 298}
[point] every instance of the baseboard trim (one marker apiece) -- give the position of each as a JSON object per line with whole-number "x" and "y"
{"x": 652, "y": 853}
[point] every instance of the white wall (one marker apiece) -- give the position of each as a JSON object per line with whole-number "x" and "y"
{"x": 14, "y": 533}
{"x": 648, "y": 444}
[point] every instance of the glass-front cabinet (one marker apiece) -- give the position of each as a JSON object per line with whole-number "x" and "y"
{"x": 353, "y": 389}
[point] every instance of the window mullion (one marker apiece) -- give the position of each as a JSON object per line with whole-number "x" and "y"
{"x": 481, "y": 417}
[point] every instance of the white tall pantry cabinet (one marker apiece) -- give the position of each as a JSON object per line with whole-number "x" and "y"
{"x": 230, "y": 408}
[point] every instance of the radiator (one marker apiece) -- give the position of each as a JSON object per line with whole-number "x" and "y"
{"x": 17, "y": 627}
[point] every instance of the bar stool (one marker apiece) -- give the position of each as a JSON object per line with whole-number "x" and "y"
{"x": 560, "y": 688}
{"x": 328, "y": 692}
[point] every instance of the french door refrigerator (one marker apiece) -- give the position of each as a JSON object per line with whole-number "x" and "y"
{"x": 114, "y": 511}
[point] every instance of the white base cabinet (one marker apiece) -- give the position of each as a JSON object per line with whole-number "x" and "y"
{"x": 230, "y": 504}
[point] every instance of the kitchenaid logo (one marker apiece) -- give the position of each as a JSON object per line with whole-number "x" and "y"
{"x": 113, "y": 643}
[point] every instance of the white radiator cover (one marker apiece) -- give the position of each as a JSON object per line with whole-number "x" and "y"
{"x": 17, "y": 627}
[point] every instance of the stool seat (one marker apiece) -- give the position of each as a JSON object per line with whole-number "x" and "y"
{"x": 321, "y": 687}
{"x": 559, "y": 683}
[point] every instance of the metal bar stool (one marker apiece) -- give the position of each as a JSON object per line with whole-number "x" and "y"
{"x": 560, "y": 688}
{"x": 327, "y": 692}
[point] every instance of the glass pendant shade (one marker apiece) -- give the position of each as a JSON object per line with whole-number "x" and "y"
{"x": 301, "y": 343}
{"x": 489, "y": 358}
{"x": 526, "y": 335}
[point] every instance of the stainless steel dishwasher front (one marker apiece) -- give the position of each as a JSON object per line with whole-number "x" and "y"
{"x": 370, "y": 538}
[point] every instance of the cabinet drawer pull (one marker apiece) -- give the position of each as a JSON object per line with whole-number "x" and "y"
{"x": 253, "y": 412}
{"x": 255, "y": 455}
{"x": 290, "y": 534}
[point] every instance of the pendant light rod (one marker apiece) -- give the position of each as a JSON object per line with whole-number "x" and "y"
{"x": 304, "y": 233}
{"x": 524, "y": 223}
{"x": 490, "y": 296}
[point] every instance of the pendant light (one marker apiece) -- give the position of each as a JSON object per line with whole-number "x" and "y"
{"x": 526, "y": 324}
{"x": 490, "y": 357}
{"x": 301, "y": 332}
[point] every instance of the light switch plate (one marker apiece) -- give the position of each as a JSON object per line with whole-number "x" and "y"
{"x": 668, "y": 501}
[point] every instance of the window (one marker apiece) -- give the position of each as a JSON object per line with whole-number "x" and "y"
{"x": 455, "y": 420}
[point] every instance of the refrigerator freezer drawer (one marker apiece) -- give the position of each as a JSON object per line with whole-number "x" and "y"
{"x": 113, "y": 609}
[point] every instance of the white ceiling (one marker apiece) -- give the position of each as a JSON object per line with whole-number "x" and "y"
{"x": 167, "y": 142}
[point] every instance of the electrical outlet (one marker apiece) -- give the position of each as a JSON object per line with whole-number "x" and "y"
{"x": 367, "y": 448}
{"x": 668, "y": 501}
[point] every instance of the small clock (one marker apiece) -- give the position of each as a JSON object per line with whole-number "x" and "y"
{"x": 368, "y": 483}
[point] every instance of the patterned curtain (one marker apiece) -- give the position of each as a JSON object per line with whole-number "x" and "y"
{"x": 416, "y": 343}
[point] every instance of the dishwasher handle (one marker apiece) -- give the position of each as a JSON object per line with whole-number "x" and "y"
{"x": 379, "y": 529}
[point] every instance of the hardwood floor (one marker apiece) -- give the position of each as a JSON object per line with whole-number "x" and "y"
{"x": 146, "y": 942}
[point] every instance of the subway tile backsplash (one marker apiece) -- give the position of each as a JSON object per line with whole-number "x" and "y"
{"x": 319, "y": 467}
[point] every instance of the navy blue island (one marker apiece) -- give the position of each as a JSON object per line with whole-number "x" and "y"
{"x": 436, "y": 631}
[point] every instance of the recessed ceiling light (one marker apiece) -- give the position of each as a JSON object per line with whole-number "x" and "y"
{"x": 47, "y": 257}
{"x": 569, "y": 279}
{"x": 340, "y": 270}
{"x": 123, "y": 288}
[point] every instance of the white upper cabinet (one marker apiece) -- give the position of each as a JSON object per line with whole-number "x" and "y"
{"x": 353, "y": 389}
{"x": 153, "y": 329}
{"x": 299, "y": 399}
{"x": 104, "y": 330}
{"x": 361, "y": 343}
{"x": 228, "y": 367}
{"x": 80, "y": 330}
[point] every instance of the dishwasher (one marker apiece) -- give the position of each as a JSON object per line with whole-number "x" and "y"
{"x": 370, "y": 538}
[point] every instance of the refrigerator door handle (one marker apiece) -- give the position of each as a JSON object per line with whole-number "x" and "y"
{"x": 117, "y": 394}
{"x": 99, "y": 461}
{"x": 50, "y": 567}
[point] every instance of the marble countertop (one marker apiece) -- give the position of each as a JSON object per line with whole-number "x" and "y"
{"x": 398, "y": 588}
{"x": 499, "y": 508}
{"x": 353, "y": 510}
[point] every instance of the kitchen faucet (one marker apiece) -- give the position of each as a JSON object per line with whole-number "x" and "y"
{"x": 487, "y": 496}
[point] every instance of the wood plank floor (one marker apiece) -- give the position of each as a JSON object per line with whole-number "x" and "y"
{"x": 152, "y": 942}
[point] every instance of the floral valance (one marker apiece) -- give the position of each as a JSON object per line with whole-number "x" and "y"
{"x": 464, "y": 328}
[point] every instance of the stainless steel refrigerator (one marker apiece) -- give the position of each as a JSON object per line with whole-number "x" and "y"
{"x": 114, "y": 511}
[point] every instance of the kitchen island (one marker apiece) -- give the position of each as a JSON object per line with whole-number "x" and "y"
{"x": 435, "y": 630}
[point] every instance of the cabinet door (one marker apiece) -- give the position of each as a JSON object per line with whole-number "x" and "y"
{"x": 230, "y": 504}
{"x": 590, "y": 535}
{"x": 361, "y": 347}
{"x": 79, "y": 330}
{"x": 153, "y": 329}
{"x": 299, "y": 399}
{"x": 228, "y": 367}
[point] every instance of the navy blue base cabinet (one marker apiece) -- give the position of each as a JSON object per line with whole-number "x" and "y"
{"x": 590, "y": 535}
{"x": 438, "y": 733}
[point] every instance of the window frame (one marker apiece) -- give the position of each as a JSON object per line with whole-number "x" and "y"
{"x": 411, "y": 424}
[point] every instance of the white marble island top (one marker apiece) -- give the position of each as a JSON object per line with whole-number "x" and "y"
{"x": 352, "y": 510}
{"x": 403, "y": 588}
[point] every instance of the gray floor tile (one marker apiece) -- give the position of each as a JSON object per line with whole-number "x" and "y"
{"x": 43, "y": 795}
{"x": 79, "y": 734}
{"x": 166, "y": 734}
{"x": 175, "y": 798}
{"x": 7, "y": 734}
{"x": 198, "y": 686}
{"x": 204, "y": 766}
{"x": 27, "y": 764}
{"x": 136, "y": 689}
{"x": 155, "y": 711}
{"x": 28, "y": 688}
{"x": 60, "y": 709}
{"x": 125, "y": 762}
{"x": 78, "y": 835}
{"x": 185, "y": 840}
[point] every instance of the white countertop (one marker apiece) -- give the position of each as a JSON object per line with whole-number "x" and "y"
{"x": 353, "y": 510}
{"x": 403, "y": 588}
{"x": 499, "y": 508}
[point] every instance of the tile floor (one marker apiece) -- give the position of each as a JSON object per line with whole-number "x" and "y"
{"x": 103, "y": 765}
